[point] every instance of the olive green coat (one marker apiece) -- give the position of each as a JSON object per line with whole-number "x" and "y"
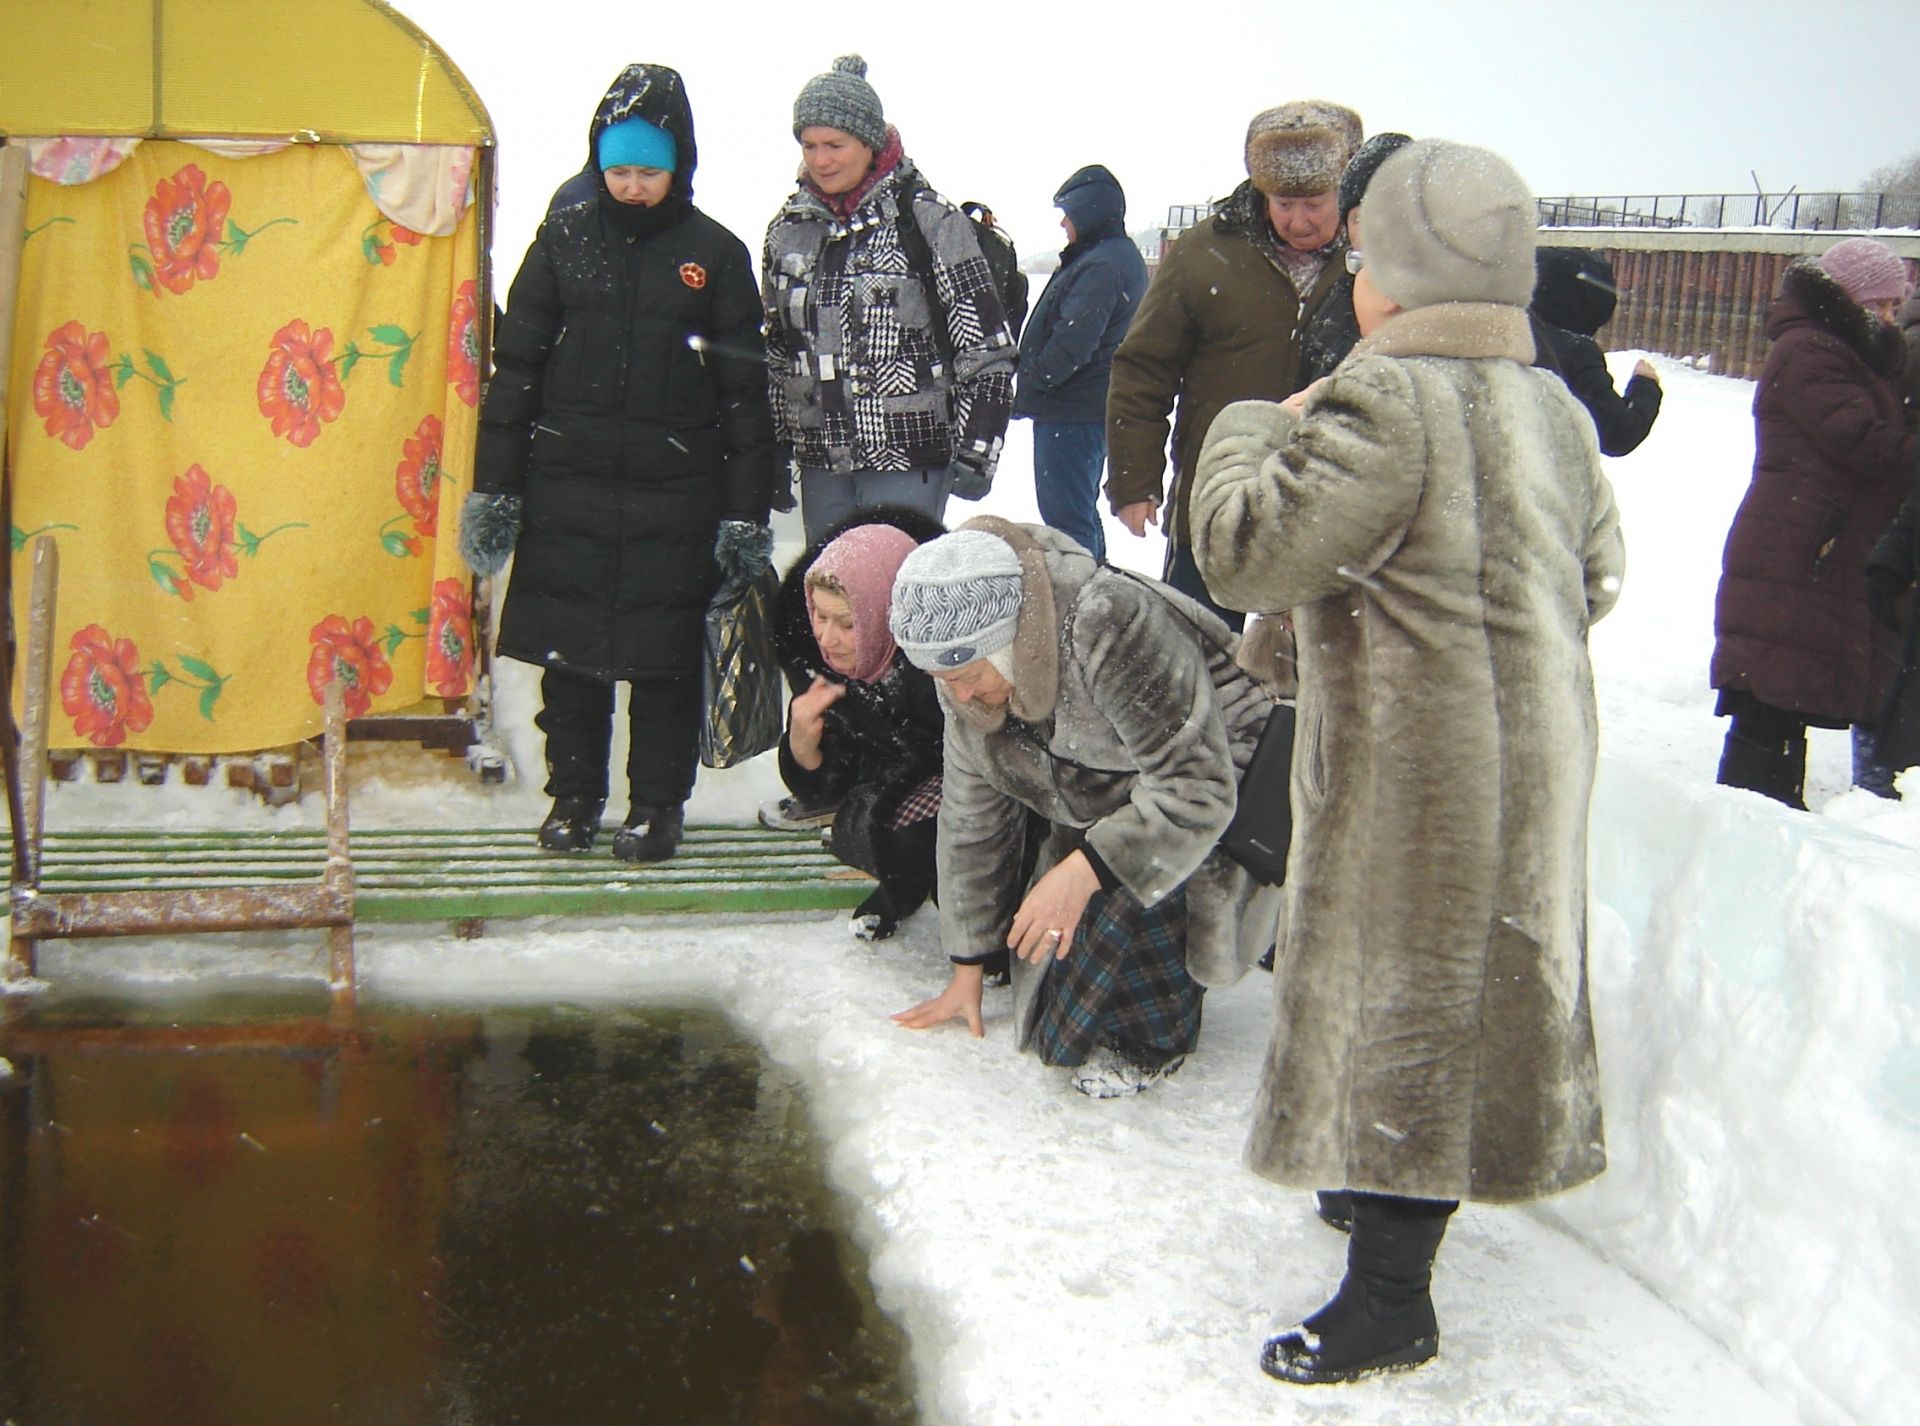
{"x": 1221, "y": 322}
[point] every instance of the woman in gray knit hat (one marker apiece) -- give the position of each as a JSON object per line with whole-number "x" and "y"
{"x": 889, "y": 360}
{"x": 1435, "y": 519}
{"x": 1041, "y": 654}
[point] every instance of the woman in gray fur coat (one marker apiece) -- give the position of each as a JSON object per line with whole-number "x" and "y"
{"x": 1110, "y": 705}
{"x": 1435, "y": 517}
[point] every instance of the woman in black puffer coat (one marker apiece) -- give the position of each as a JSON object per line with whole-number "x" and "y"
{"x": 881, "y": 735}
{"x": 625, "y": 438}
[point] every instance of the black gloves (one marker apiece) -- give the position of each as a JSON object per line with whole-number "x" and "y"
{"x": 489, "y": 526}
{"x": 968, "y": 480}
{"x": 741, "y": 547}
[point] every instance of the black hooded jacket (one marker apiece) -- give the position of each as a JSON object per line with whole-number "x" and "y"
{"x": 628, "y": 406}
{"x": 882, "y": 739}
{"x": 1574, "y": 297}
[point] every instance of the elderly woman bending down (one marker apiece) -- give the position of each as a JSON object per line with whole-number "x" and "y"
{"x": 1110, "y": 705}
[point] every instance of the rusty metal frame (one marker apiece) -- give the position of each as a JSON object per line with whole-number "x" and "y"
{"x": 38, "y": 915}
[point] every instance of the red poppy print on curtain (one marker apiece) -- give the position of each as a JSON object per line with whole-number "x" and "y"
{"x": 463, "y": 344}
{"x": 378, "y": 240}
{"x": 183, "y": 223}
{"x": 200, "y": 522}
{"x": 73, "y": 387}
{"x": 350, "y": 653}
{"x": 449, "y": 638}
{"x": 417, "y": 478}
{"x": 102, "y": 689}
{"x": 298, "y": 388}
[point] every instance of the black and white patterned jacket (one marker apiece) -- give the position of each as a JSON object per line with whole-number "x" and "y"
{"x": 856, "y": 376}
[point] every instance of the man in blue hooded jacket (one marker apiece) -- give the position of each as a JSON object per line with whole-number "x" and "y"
{"x": 1066, "y": 352}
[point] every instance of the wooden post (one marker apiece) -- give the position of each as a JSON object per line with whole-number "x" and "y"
{"x": 13, "y": 204}
{"x": 13, "y": 220}
{"x": 30, "y": 767}
{"x": 339, "y": 873}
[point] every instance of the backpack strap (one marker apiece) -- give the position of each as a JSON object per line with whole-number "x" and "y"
{"x": 920, "y": 258}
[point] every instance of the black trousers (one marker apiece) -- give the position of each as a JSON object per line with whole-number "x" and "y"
{"x": 663, "y": 736}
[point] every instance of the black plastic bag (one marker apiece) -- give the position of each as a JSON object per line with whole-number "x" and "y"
{"x": 744, "y": 694}
{"x": 1262, "y": 826}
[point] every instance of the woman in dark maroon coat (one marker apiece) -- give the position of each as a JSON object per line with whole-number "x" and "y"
{"x": 1794, "y": 642}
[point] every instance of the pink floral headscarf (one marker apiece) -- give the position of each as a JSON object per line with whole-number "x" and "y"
{"x": 863, "y": 562}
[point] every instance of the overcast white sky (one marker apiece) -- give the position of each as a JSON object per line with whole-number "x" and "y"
{"x": 1001, "y": 101}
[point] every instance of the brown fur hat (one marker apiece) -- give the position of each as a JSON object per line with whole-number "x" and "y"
{"x": 1300, "y": 148}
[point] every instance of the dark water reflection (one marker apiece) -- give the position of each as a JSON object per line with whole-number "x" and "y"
{"x": 510, "y": 1215}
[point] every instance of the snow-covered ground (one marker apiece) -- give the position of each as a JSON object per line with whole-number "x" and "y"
{"x": 1751, "y": 1256}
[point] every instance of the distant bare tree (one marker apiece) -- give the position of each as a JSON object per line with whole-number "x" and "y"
{"x": 1901, "y": 177}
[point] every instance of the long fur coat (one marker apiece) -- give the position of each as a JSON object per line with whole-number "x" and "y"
{"x": 1439, "y": 526}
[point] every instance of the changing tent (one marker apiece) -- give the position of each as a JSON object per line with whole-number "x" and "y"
{"x": 244, "y": 281}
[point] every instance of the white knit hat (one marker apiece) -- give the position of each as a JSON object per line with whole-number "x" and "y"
{"x": 955, "y": 600}
{"x": 1447, "y": 222}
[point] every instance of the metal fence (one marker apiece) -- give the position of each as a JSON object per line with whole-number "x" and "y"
{"x": 1795, "y": 212}
{"x": 1803, "y": 212}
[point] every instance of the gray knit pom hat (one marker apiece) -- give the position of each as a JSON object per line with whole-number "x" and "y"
{"x": 1447, "y": 222}
{"x": 956, "y": 599}
{"x": 842, "y": 99}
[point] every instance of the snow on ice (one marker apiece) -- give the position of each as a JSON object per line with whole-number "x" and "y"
{"x": 1751, "y": 1255}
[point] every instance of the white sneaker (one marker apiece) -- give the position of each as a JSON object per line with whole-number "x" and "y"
{"x": 790, "y": 814}
{"x": 1112, "y": 1075}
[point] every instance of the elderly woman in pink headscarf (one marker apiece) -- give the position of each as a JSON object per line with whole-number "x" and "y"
{"x": 864, "y": 730}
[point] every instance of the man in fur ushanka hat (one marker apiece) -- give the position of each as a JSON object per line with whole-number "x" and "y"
{"x": 1224, "y": 318}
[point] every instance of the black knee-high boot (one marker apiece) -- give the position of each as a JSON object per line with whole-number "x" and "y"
{"x": 1382, "y": 1316}
{"x": 1766, "y": 753}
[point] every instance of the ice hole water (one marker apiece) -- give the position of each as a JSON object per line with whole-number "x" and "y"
{"x": 229, "y": 1214}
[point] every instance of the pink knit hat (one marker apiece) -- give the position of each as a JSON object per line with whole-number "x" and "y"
{"x": 1866, "y": 269}
{"x": 863, "y": 562}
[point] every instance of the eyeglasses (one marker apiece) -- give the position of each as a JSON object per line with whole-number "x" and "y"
{"x": 1354, "y": 262}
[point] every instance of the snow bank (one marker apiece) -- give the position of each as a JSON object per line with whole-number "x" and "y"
{"x": 1758, "y": 1012}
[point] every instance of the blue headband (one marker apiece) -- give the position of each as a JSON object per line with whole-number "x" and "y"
{"x": 634, "y": 143}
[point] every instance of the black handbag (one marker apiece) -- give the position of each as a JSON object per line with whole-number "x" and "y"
{"x": 1262, "y": 825}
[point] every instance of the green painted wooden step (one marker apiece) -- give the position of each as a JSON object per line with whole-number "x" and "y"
{"x": 431, "y": 874}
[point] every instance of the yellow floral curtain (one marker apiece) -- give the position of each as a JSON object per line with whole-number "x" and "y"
{"x": 243, "y": 401}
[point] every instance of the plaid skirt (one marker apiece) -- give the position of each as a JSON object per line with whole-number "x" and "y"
{"x": 918, "y": 805}
{"x": 1124, "y": 984}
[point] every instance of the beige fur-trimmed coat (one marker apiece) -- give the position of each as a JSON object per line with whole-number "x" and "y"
{"x": 1439, "y": 526}
{"x": 1128, "y": 727}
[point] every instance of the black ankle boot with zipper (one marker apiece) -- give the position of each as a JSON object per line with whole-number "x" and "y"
{"x": 659, "y": 839}
{"x": 572, "y": 825}
{"x": 1382, "y": 1318}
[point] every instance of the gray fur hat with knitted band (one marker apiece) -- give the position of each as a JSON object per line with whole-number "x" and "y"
{"x": 1448, "y": 222}
{"x": 842, "y": 99}
{"x": 1300, "y": 148}
{"x": 956, "y": 599}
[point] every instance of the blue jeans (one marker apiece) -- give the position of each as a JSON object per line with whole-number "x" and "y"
{"x": 1068, "y": 457}
{"x": 828, "y": 496}
{"x": 1868, "y": 770}
{"x": 1184, "y": 575}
